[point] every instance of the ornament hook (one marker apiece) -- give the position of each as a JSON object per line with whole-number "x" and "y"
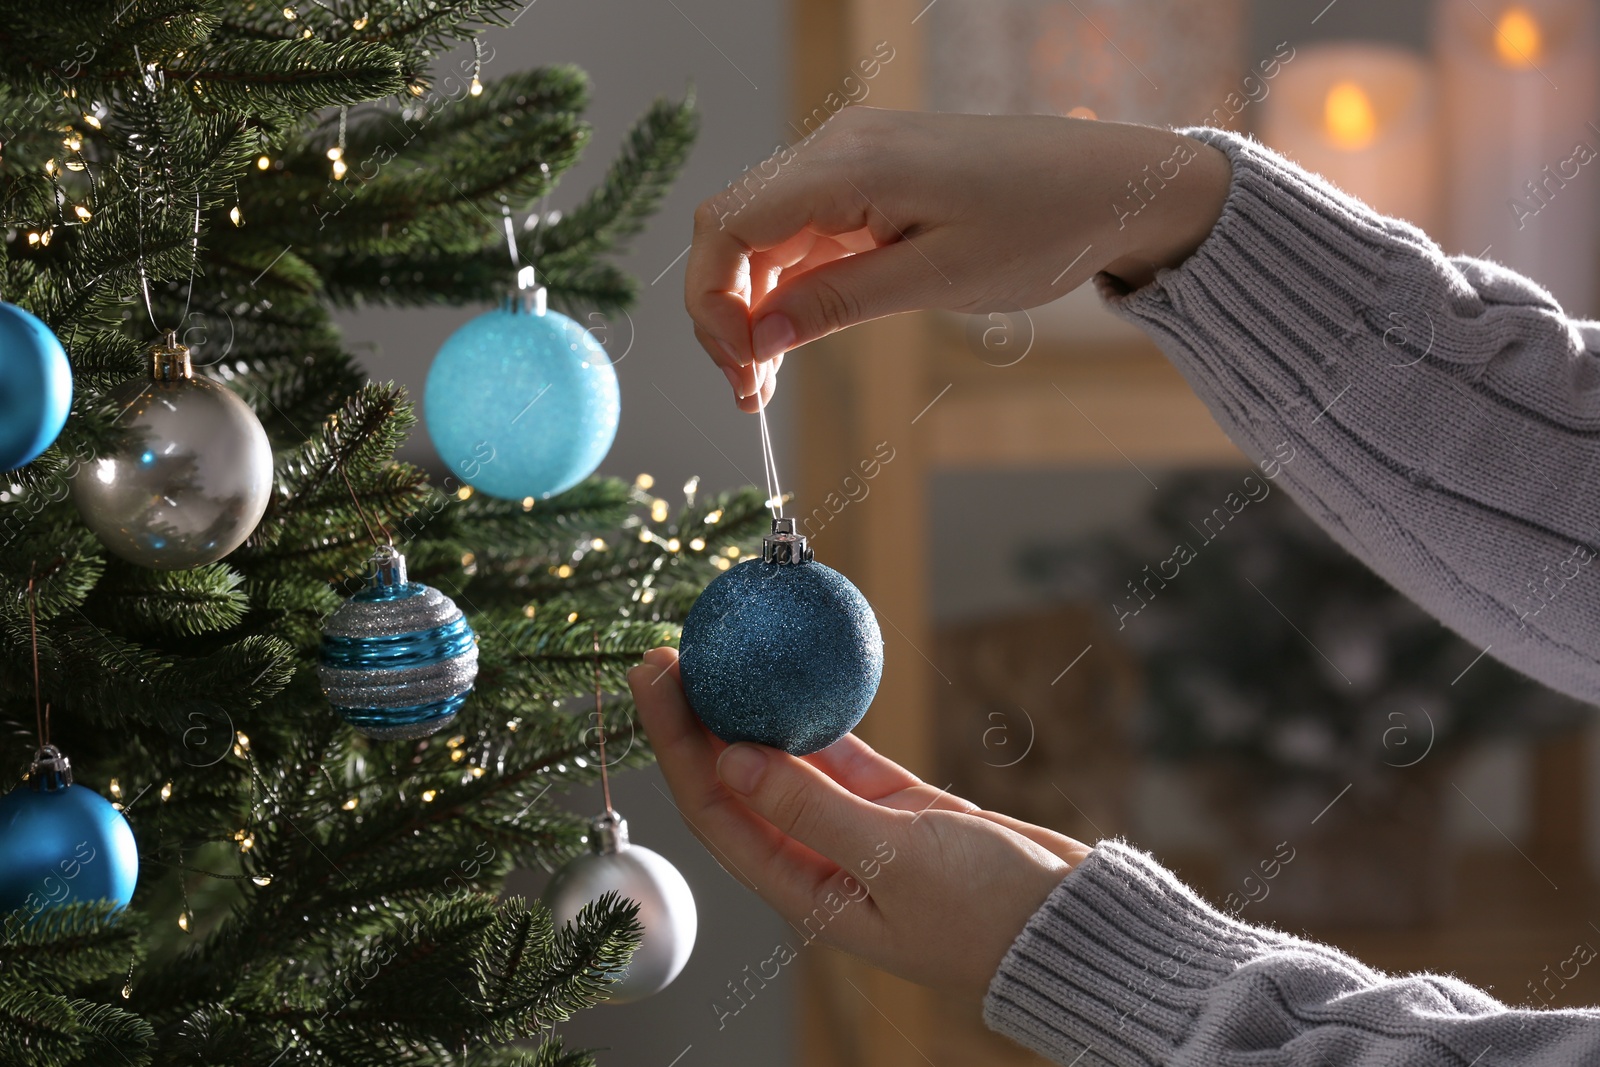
{"x": 784, "y": 545}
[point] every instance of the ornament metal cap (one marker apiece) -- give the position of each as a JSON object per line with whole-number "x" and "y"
{"x": 388, "y": 568}
{"x": 169, "y": 361}
{"x": 530, "y": 298}
{"x": 783, "y": 545}
{"x": 608, "y": 834}
{"x": 50, "y": 771}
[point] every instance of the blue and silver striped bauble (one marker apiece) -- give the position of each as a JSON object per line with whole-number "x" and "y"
{"x": 398, "y": 658}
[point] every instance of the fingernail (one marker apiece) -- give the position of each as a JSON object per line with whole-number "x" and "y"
{"x": 733, "y": 380}
{"x": 729, "y": 349}
{"x": 741, "y": 767}
{"x": 773, "y": 334}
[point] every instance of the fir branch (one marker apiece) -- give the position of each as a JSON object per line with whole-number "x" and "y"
{"x": 642, "y": 173}
{"x": 288, "y": 77}
{"x": 67, "y": 948}
{"x": 171, "y": 603}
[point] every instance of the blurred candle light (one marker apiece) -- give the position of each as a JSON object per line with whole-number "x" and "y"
{"x": 1520, "y": 84}
{"x": 1363, "y": 116}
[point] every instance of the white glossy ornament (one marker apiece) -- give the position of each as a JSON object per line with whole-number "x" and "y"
{"x": 191, "y": 475}
{"x": 666, "y": 905}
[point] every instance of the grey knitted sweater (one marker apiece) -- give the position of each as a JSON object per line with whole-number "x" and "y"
{"x": 1446, "y": 421}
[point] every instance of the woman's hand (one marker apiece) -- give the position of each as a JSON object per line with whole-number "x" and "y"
{"x": 888, "y": 211}
{"x": 851, "y": 848}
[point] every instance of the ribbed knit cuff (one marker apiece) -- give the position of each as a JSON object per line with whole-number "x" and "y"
{"x": 1115, "y": 966}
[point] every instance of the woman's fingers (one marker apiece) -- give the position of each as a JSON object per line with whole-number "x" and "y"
{"x": 805, "y": 804}
{"x": 1059, "y": 845}
{"x": 729, "y": 229}
{"x": 886, "y": 280}
{"x": 781, "y": 870}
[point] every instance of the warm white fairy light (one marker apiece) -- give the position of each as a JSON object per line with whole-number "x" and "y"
{"x": 263, "y": 162}
{"x": 698, "y": 544}
{"x": 573, "y": 617}
{"x": 81, "y": 211}
{"x": 644, "y": 481}
{"x": 714, "y": 518}
{"x": 350, "y": 805}
{"x": 235, "y": 215}
{"x": 658, "y": 510}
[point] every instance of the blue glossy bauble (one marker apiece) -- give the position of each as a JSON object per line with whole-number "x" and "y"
{"x": 61, "y": 844}
{"x": 787, "y": 654}
{"x": 35, "y": 387}
{"x": 398, "y": 659}
{"x": 521, "y": 404}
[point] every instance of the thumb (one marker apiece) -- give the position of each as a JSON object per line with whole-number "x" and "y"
{"x": 869, "y": 285}
{"x": 804, "y": 803}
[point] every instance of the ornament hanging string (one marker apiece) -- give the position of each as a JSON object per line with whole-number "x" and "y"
{"x": 600, "y": 728}
{"x": 41, "y": 712}
{"x": 388, "y": 538}
{"x": 152, "y": 83}
{"x": 769, "y": 460}
{"x": 527, "y": 277}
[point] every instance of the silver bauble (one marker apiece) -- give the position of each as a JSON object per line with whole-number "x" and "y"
{"x": 398, "y": 659}
{"x": 666, "y": 906}
{"x": 190, "y": 476}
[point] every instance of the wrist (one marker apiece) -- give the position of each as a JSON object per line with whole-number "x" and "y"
{"x": 1169, "y": 208}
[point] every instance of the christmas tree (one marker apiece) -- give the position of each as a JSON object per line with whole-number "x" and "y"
{"x": 231, "y": 171}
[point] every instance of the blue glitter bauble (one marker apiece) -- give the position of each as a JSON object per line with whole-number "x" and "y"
{"x": 61, "y": 843}
{"x": 785, "y": 654}
{"x": 35, "y": 387}
{"x": 521, "y": 404}
{"x": 398, "y": 659}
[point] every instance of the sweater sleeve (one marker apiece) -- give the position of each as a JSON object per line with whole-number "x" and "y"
{"x": 1124, "y": 965}
{"x": 1442, "y": 414}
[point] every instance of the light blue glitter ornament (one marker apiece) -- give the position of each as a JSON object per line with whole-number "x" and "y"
{"x": 781, "y": 650}
{"x": 398, "y": 659}
{"x": 522, "y": 402}
{"x": 61, "y": 842}
{"x": 35, "y": 387}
